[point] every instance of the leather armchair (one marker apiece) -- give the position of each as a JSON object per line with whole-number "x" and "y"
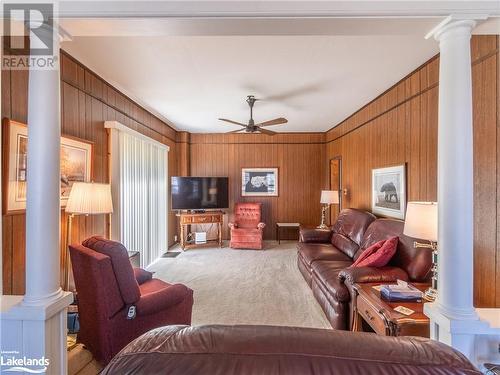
{"x": 108, "y": 286}
{"x": 247, "y": 229}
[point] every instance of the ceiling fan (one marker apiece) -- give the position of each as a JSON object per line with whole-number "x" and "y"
{"x": 252, "y": 127}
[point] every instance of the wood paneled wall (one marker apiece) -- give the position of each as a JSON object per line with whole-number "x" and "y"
{"x": 400, "y": 126}
{"x": 299, "y": 158}
{"x": 86, "y": 102}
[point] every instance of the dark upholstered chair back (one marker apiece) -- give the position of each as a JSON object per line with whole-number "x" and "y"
{"x": 416, "y": 262}
{"x": 99, "y": 297}
{"x": 107, "y": 286}
{"x": 349, "y": 229}
{"x": 127, "y": 284}
{"x": 247, "y": 215}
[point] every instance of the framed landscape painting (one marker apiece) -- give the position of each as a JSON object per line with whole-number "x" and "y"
{"x": 389, "y": 191}
{"x": 76, "y": 165}
{"x": 259, "y": 182}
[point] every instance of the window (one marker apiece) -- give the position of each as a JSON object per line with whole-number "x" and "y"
{"x": 139, "y": 184}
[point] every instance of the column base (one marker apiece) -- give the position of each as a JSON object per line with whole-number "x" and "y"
{"x": 474, "y": 335}
{"x": 34, "y": 337}
{"x": 42, "y": 301}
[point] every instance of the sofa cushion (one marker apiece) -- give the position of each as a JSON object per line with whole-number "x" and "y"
{"x": 311, "y": 252}
{"x": 377, "y": 255}
{"x": 344, "y": 244}
{"x": 326, "y": 276}
{"x": 305, "y": 270}
{"x": 416, "y": 262}
{"x": 124, "y": 272}
{"x": 156, "y": 295}
{"x": 153, "y": 285}
{"x": 334, "y": 310}
{"x": 246, "y": 234}
{"x": 351, "y": 225}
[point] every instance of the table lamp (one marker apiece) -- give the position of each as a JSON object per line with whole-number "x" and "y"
{"x": 85, "y": 198}
{"x": 328, "y": 197}
{"x": 422, "y": 222}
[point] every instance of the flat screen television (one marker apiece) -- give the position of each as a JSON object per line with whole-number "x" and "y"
{"x": 199, "y": 193}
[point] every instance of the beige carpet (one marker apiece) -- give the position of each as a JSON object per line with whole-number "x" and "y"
{"x": 245, "y": 286}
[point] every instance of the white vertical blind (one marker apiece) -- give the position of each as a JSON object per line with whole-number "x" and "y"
{"x": 142, "y": 195}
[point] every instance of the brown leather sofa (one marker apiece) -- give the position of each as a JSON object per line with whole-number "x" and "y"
{"x": 324, "y": 257}
{"x": 245, "y": 350}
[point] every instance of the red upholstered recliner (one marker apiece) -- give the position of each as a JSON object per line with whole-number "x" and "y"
{"x": 247, "y": 229}
{"x": 108, "y": 285}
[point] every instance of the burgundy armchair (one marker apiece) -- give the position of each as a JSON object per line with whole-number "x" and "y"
{"x": 108, "y": 287}
{"x": 247, "y": 229}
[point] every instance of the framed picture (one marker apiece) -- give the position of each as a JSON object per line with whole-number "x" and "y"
{"x": 259, "y": 182}
{"x": 76, "y": 165}
{"x": 389, "y": 191}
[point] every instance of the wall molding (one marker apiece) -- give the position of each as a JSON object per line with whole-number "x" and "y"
{"x": 474, "y": 62}
{"x": 90, "y": 93}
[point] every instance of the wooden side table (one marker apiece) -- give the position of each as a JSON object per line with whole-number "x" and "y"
{"x": 381, "y": 317}
{"x": 284, "y": 225}
{"x": 208, "y": 217}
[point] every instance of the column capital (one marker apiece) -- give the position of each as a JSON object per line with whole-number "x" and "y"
{"x": 55, "y": 32}
{"x": 461, "y": 22}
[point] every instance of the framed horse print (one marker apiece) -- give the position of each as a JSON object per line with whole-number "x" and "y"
{"x": 389, "y": 191}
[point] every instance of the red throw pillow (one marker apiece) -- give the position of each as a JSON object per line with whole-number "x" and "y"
{"x": 378, "y": 254}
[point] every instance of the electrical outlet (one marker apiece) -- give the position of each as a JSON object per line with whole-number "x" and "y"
{"x": 175, "y": 238}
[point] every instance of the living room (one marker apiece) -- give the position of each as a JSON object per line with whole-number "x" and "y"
{"x": 309, "y": 117}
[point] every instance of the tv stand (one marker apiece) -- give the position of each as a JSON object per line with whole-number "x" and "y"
{"x": 200, "y": 218}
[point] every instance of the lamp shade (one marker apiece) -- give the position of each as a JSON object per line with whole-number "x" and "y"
{"x": 329, "y": 197}
{"x": 422, "y": 220}
{"x": 89, "y": 198}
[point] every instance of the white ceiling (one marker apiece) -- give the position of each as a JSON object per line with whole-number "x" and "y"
{"x": 192, "y": 72}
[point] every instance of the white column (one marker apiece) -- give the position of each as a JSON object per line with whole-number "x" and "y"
{"x": 454, "y": 320}
{"x": 43, "y": 186}
{"x": 455, "y": 171}
{"x": 34, "y": 326}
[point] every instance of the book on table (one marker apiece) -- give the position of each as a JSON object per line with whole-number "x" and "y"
{"x": 402, "y": 291}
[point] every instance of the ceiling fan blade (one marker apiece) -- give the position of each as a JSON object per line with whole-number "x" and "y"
{"x": 276, "y": 121}
{"x": 265, "y": 131}
{"x": 236, "y": 131}
{"x": 233, "y": 122}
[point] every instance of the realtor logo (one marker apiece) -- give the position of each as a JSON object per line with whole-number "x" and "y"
{"x": 29, "y": 36}
{"x": 29, "y": 20}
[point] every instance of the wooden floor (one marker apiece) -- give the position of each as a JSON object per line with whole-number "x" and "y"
{"x": 81, "y": 362}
